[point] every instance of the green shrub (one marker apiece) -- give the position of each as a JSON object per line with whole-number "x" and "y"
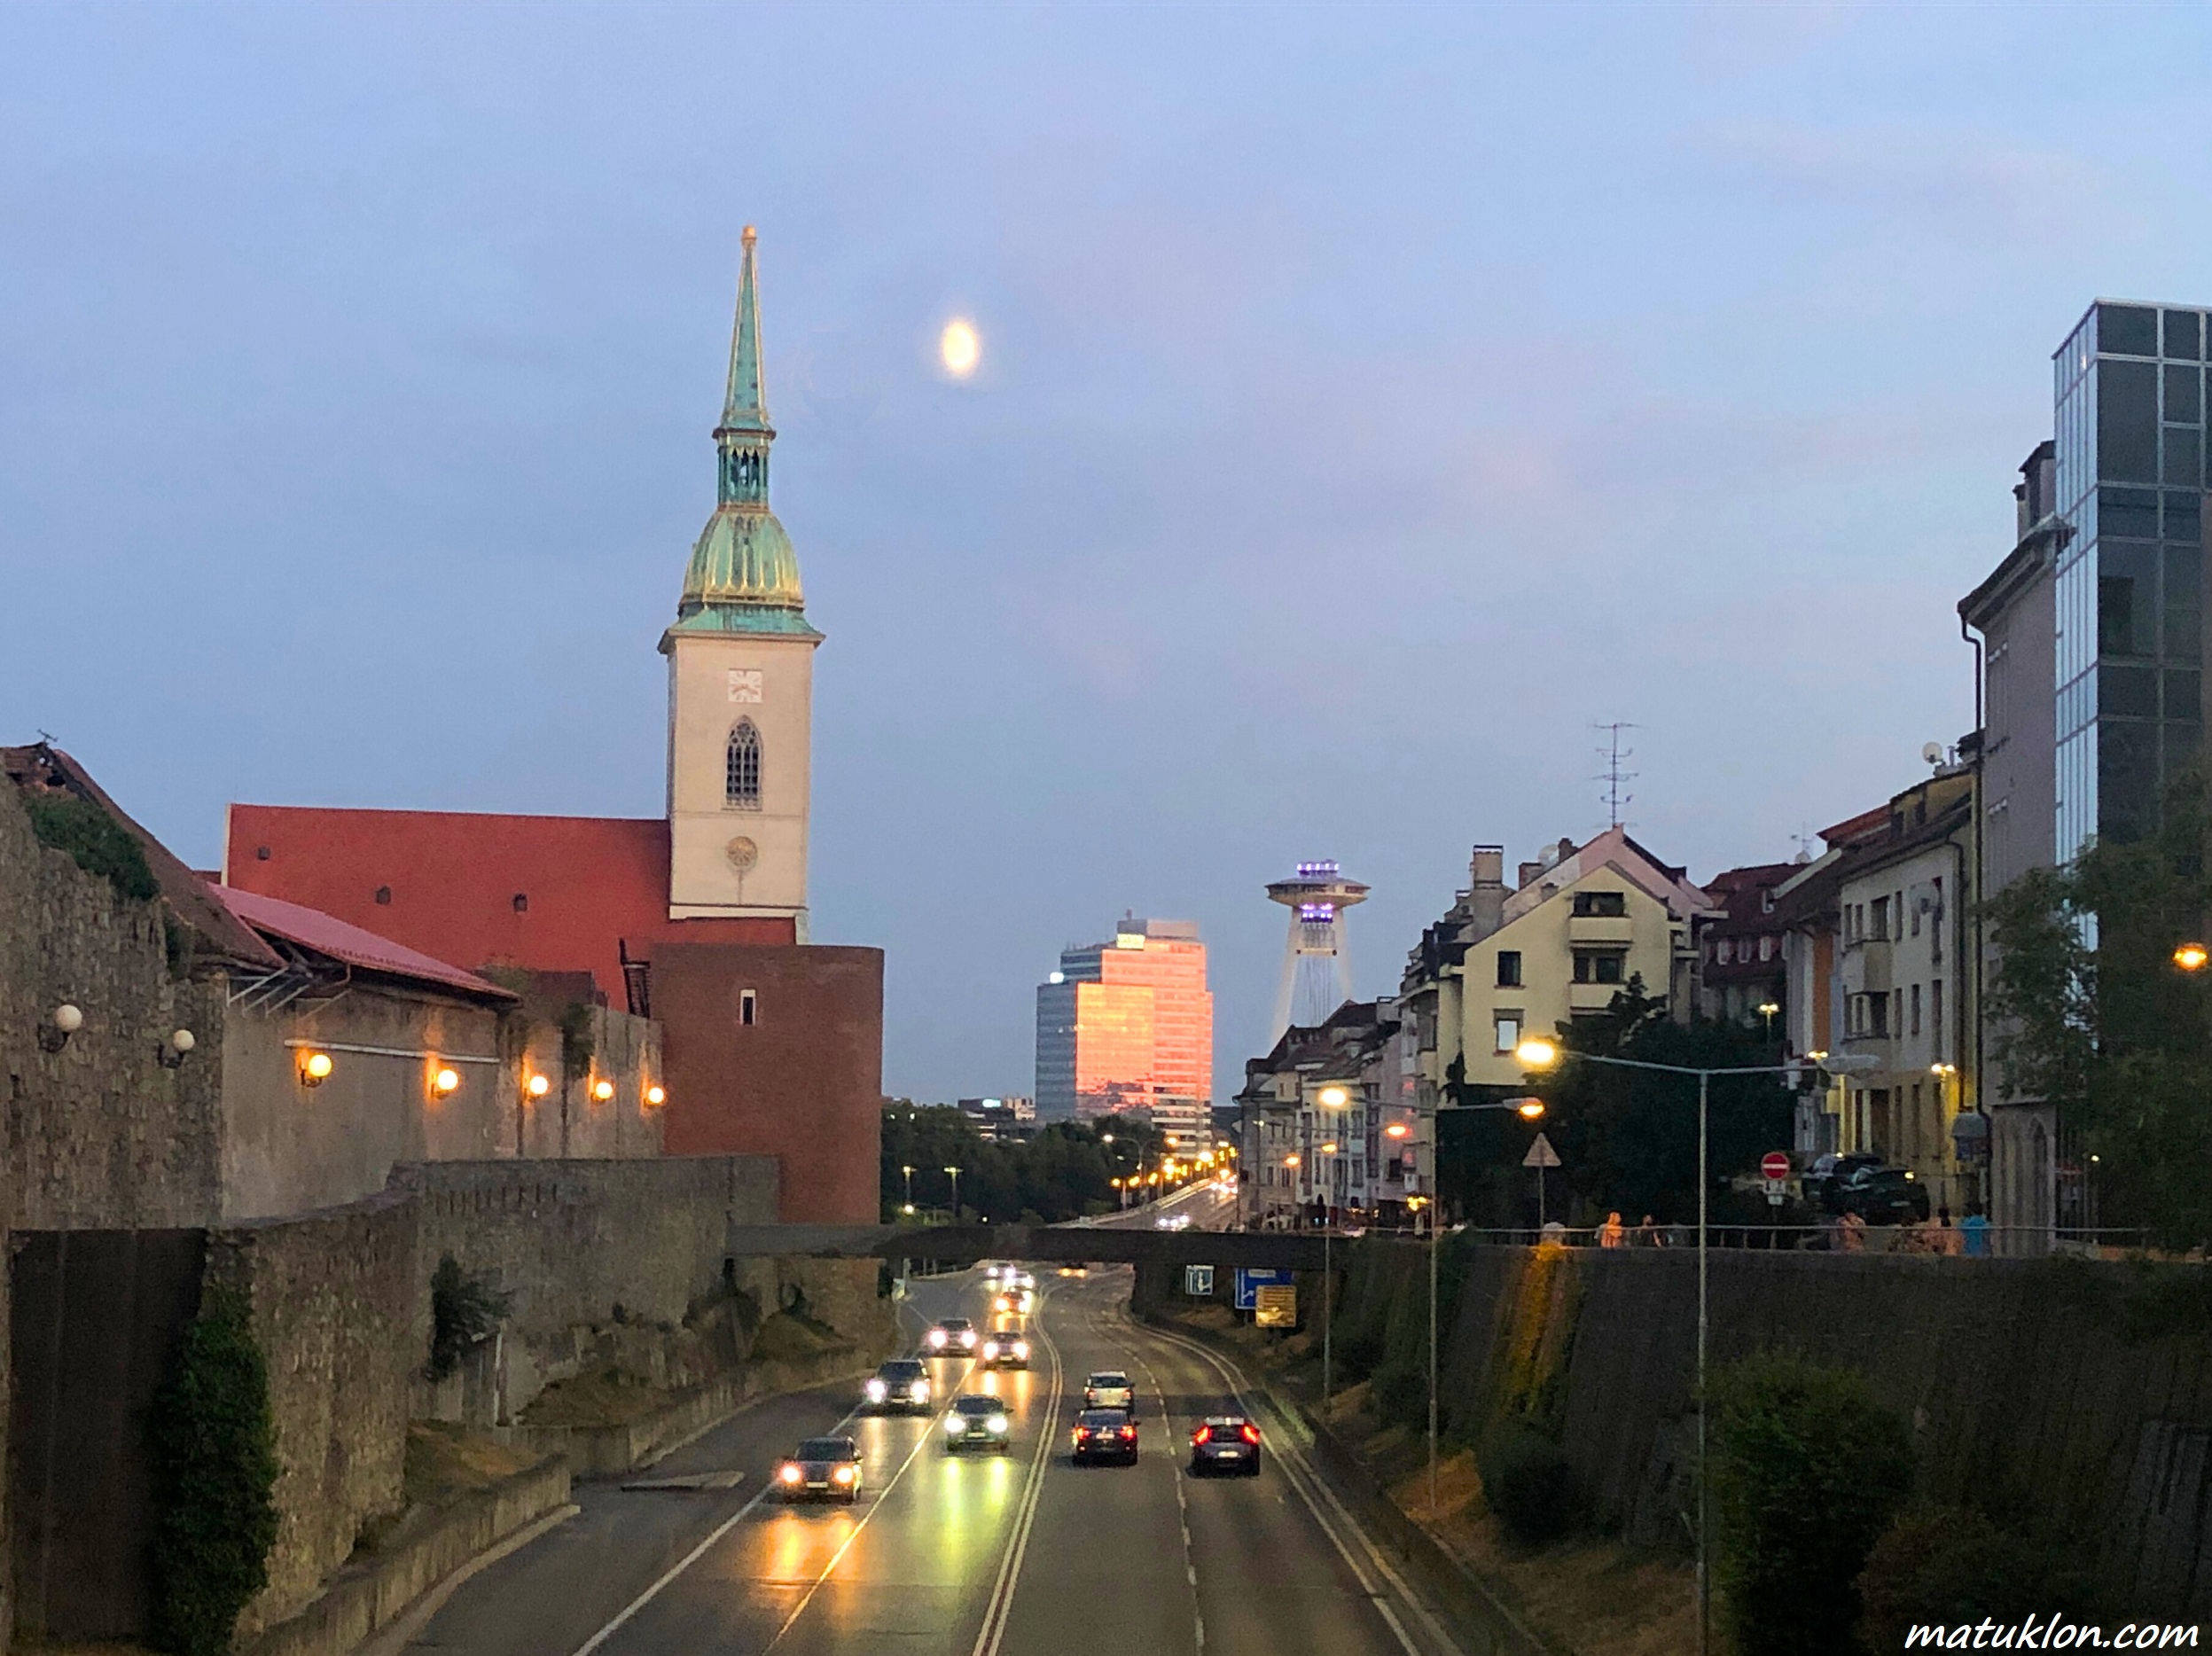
{"x": 1400, "y": 1395}
{"x": 465, "y": 1310}
{"x": 1944, "y": 1565}
{"x": 1357, "y": 1354}
{"x": 95, "y": 841}
{"x": 214, "y": 1465}
{"x": 1526, "y": 1481}
{"x": 1807, "y": 1470}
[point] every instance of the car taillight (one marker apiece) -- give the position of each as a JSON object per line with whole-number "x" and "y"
{"x": 1127, "y": 1431}
{"x": 1251, "y": 1433}
{"x": 1204, "y": 1434}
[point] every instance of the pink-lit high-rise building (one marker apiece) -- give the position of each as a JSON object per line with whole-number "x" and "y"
{"x": 1127, "y": 1024}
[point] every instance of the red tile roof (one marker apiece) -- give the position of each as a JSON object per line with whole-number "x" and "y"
{"x": 326, "y": 935}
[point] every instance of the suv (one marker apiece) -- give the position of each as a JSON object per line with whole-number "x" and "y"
{"x": 1828, "y": 1171}
{"x": 1881, "y": 1196}
{"x": 1110, "y": 1388}
{"x": 902, "y": 1384}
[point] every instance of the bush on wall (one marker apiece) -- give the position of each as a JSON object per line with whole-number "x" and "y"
{"x": 1807, "y": 1470}
{"x": 1526, "y": 1481}
{"x": 465, "y": 1311}
{"x": 96, "y": 841}
{"x": 1948, "y": 1566}
{"x": 215, "y": 1465}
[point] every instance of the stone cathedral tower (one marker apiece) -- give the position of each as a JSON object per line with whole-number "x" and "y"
{"x": 740, "y": 677}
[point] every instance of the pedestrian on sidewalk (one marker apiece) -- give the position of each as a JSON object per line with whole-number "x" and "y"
{"x": 1851, "y": 1232}
{"x": 1975, "y": 1230}
{"x": 1612, "y": 1233}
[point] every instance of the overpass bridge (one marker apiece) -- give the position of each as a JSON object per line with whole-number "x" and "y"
{"x": 1046, "y": 1245}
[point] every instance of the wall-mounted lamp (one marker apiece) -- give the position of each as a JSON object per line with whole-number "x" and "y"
{"x": 444, "y": 1083}
{"x": 315, "y": 1069}
{"x": 54, "y": 1034}
{"x": 602, "y": 1090}
{"x": 172, "y": 1050}
{"x": 1333, "y": 1098}
{"x": 537, "y": 1086}
{"x": 1396, "y": 1129}
{"x": 653, "y": 1095}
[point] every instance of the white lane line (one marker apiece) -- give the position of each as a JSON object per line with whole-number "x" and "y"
{"x": 1182, "y": 1504}
{"x": 999, "y": 1608}
{"x": 700, "y": 1550}
{"x": 1306, "y": 1483}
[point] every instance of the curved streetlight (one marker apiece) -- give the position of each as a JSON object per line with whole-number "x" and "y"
{"x": 1540, "y": 1054}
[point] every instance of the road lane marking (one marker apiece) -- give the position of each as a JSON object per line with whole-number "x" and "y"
{"x": 1305, "y": 1482}
{"x": 1181, "y": 1503}
{"x": 700, "y": 1550}
{"x": 999, "y": 1608}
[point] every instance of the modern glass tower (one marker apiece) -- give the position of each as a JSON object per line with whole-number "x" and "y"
{"x": 2130, "y": 398}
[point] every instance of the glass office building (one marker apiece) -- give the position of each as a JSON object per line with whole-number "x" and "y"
{"x": 2130, "y": 398}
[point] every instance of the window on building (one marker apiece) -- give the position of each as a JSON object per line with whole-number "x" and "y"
{"x": 1508, "y": 1031}
{"x": 1509, "y": 968}
{"x": 1766, "y": 946}
{"x": 1879, "y": 924}
{"x": 1915, "y": 1003}
{"x": 1724, "y": 950}
{"x": 748, "y": 1007}
{"x": 1600, "y": 904}
{"x": 1916, "y": 919}
{"x": 741, "y": 767}
{"x": 1935, "y": 1013}
{"x": 1601, "y": 965}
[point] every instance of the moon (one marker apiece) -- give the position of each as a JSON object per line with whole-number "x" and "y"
{"x": 960, "y": 348}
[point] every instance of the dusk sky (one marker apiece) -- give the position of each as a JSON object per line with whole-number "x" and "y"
{"x": 1371, "y": 402}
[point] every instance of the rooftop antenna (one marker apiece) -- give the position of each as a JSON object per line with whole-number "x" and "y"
{"x": 1612, "y": 776}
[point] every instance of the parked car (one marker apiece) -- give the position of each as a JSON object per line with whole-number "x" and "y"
{"x": 1827, "y": 1171}
{"x": 1879, "y": 1195}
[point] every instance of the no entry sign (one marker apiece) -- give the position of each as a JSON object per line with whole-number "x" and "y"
{"x": 1775, "y": 1164}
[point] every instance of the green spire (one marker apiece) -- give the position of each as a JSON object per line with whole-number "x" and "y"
{"x": 745, "y": 409}
{"x": 743, "y": 576}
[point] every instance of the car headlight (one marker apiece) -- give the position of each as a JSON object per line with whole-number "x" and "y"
{"x": 878, "y": 1391}
{"x": 843, "y": 1475}
{"x": 968, "y": 1341}
{"x": 791, "y": 1475}
{"x": 990, "y": 1347}
{"x": 921, "y": 1391}
{"x": 937, "y": 1337}
{"x": 952, "y": 1423}
{"x": 1022, "y": 1348}
{"x": 996, "y": 1423}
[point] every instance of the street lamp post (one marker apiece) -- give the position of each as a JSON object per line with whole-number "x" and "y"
{"x": 910, "y": 1188}
{"x": 1529, "y": 1110}
{"x": 956, "y": 1193}
{"x": 1542, "y": 1055}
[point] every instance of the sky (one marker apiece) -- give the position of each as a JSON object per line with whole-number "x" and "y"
{"x": 1373, "y": 401}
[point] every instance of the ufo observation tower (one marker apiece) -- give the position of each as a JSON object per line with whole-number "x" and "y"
{"x": 1316, "y": 964}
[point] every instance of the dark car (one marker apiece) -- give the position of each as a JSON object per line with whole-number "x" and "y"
{"x": 1879, "y": 1195}
{"x": 902, "y": 1384}
{"x": 1226, "y": 1443}
{"x": 828, "y": 1467}
{"x": 1103, "y": 1434}
{"x": 1828, "y": 1171}
{"x": 977, "y": 1420}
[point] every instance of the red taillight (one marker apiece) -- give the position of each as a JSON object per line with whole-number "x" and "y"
{"x": 1204, "y": 1434}
{"x": 1251, "y": 1433}
{"x": 1127, "y": 1431}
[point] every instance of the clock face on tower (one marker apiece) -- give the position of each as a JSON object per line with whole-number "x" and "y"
{"x": 745, "y": 683}
{"x": 742, "y": 852}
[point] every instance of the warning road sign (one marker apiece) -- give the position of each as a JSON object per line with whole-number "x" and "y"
{"x": 1541, "y": 1154}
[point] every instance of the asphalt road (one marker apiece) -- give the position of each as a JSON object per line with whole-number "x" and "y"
{"x": 1022, "y": 1554}
{"x": 1206, "y": 1205}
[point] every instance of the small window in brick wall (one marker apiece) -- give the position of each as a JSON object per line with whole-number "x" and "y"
{"x": 748, "y": 1007}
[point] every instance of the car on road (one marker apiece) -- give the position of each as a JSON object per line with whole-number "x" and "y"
{"x": 1006, "y": 1348}
{"x": 949, "y": 1337}
{"x": 1110, "y": 1388}
{"x": 1881, "y": 1196}
{"x": 978, "y": 1420}
{"x": 1021, "y": 1279}
{"x": 1103, "y": 1434}
{"x": 1172, "y": 1221}
{"x": 901, "y": 1384}
{"x": 1225, "y": 1443}
{"x": 1075, "y": 1268}
{"x": 1830, "y": 1170}
{"x": 1013, "y": 1301}
{"x": 827, "y": 1467}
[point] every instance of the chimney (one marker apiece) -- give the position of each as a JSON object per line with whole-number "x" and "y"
{"x": 1486, "y": 890}
{"x": 1528, "y": 875}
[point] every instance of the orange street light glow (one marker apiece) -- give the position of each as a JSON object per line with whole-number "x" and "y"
{"x": 1396, "y": 1129}
{"x": 446, "y": 1080}
{"x": 1531, "y": 1108}
{"x": 1538, "y": 1053}
{"x": 537, "y": 1086}
{"x": 602, "y": 1090}
{"x": 2192, "y": 957}
{"x": 653, "y": 1095}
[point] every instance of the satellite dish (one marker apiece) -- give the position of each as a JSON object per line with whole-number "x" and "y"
{"x": 1932, "y": 752}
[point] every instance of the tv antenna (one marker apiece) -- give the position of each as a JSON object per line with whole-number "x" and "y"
{"x": 1613, "y": 777}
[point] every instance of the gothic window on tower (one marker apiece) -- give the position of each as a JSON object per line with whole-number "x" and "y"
{"x": 741, "y": 769}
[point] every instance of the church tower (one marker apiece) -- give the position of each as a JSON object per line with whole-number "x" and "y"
{"x": 740, "y": 678}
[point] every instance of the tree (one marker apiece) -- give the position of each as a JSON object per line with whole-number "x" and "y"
{"x": 2098, "y": 1019}
{"x": 1626, "y": 1138}
{"x": 1062, "y": 1172}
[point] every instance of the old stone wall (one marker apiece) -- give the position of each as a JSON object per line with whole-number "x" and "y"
{"x": 624, "y": 1051}
{"x": 333, "y": 1297}
{"x": 2076, "y": 1395}
{"x": 569, "y": 1241}
{"x": 101, "y": 1135}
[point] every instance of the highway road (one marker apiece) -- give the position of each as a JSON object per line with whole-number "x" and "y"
{"x": 1015, "y": 1555}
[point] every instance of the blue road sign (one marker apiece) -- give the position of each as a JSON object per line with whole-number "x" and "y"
{"x": 1197, "y": 1281}
{"x": 1252, "y": 1278}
